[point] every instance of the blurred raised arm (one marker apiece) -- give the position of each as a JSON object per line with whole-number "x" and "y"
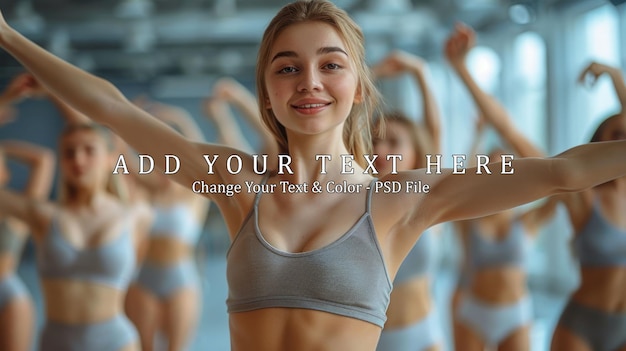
{"x": 595, "y": 70}
{"x": 41, "y": 162}
{"x": 402, "y": 62}
{"x": 457, "y": 47}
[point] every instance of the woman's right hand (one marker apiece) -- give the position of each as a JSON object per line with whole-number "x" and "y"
{"x": 593, "y": 71}
{"x": 396, "y": 63}
{"x": 458, "y": 45}
{"x": 23, "y": 86}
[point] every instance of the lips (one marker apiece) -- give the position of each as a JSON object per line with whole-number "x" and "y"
{"x": 310, "y": 106}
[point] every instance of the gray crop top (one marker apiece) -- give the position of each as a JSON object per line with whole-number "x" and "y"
{"x": 111, "y": 263}
{"x": 600, "y": 243}
{"x": 176, "y": 221}
{"x": 347, "y": 277}
{"x": 488, "y": 253}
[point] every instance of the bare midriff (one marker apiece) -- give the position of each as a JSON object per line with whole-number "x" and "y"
{"x": 167, "y": 250}
{"x": 499, "y": 286}
{"x": 410, "y": 302}
{"x": 79, "y": 302}
{"x": 288, "y": 329}
{"x": 602, "y": 288}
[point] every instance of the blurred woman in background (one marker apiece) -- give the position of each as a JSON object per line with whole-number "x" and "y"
{"x": 17, "y": 315}
{"x": 412, "y": 321}
{"x": 595, "y": 315}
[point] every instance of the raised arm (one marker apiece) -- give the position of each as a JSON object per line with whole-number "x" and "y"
{"x": 595, "y": 70}
{"x": 41, "y": 162}
{"x": 401, "y": 62}
{"x": 104, "y": 103}
{"x": 34, "y": 213}
{"x": 456, "y": 48}
{"x": 228, "y": 130}
{"x": 234, "y": 93}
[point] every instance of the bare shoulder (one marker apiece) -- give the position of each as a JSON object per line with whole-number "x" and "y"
{"x": 397, "y": 199}
{"x": 43, "y": 214}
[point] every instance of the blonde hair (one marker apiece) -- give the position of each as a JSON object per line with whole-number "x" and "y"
{"x": 357, "y": 128}
{"x": 420, "y": 139}
{"x": 113, "y": 186}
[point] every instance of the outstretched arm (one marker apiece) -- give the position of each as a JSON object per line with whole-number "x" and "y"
{"x": 596, "y": 69}
{"x": 456, "y": 49}
{"x": 398, "y": 62}
{"x": 104, "y": 103}
{"x": 476, "y": 195}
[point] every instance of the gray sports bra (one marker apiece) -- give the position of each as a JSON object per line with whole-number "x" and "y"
{"x": 347, "y": 277}
{"x": 111, "y": 263}
{"x": 488, "y": 253}
{"x": 600, "y": 243}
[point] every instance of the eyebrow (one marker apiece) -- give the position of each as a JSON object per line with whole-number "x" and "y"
{"x": 320, "y": 51}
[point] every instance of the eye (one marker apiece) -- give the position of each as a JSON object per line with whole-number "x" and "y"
{"x": 288, "y": 69}
{"x": 333, "y": 66}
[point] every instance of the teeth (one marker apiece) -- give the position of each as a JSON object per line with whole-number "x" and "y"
{"x": 311, "y": 105}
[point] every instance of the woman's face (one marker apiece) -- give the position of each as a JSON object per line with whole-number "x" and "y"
{"x": 84, "y": 159}
{"x": 311, "y": 80}
{"x": 397, "y": 140}
{"x": 615, "y": 129}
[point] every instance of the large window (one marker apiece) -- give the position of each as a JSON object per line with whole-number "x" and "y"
{"x": 601, "y": 43}
{"x": 528, "y": 105}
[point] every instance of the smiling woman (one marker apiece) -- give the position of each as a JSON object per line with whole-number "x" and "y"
{"x": 309, "y": 271}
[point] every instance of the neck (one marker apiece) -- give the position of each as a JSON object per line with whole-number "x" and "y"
{"x": 85, "y": 198}
{"x": 309, "y": 153}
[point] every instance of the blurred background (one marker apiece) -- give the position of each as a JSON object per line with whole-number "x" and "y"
{"x": 529, "y": 55}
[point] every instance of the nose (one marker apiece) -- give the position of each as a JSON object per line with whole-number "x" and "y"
{"x": 79, "y": 159}
{"x": 309, "y": 81}
{"x": 381, "y": 148}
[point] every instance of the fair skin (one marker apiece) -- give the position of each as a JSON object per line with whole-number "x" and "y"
{"x": 320, "y": 74}
{"x": 17, "y": 317}
{"x": 85, "y": 221}
{"x": 178, "y": 314}
{"x": 411, "y": 301}
{"x": 495, "y": 285}
{"x": 228, "y": 91}
{"x": 597, "y": 69}
{"x": 601, "y": 288}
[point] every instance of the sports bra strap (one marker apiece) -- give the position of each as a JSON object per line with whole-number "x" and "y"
{"x": 370, "y": 190}
{"x": 257, "y": 198}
